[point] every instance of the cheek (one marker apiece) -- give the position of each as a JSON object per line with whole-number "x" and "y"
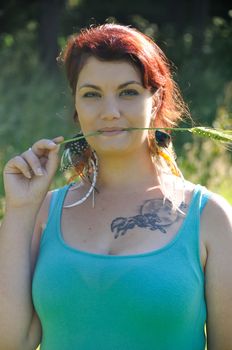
{"x": 85, "y": 124}
{"x": 84, "y": 108}
{"x": 142, "y": 106}
{"x": 86, "y": 115}
{"x": 141, "y": 114}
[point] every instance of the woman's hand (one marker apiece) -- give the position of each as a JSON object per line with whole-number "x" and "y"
{"x": 27, "y": 177}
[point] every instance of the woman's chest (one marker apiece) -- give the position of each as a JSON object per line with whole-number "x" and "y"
{"x": 99, "y": 238}
{"x": 127, "y": 227}
{"x": 157, "y": 288}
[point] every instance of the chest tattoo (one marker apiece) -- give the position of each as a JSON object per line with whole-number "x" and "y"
{"x": 153, "y": 215}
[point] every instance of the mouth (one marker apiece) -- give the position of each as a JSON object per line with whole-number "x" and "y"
{"x": 111, "y": 131}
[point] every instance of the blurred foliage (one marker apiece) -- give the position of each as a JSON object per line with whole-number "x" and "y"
{"x": 204, "y": 74}
{"x": 37, "y": 104}
{"x": 207, "y": 162}
{"x": 33, "y": 104}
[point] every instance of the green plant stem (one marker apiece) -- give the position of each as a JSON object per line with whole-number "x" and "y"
{"x": 126, "y": 129}
{"x": 200, "y": 131}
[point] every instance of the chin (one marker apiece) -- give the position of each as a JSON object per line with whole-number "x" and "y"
{"x": 112, "y": 151}
{"x": 112, "y": 146}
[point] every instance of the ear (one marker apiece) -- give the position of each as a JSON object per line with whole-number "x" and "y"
{"x": 157, "y": 101}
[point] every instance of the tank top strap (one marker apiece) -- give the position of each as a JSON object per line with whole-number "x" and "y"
{"x": 55, "y": 209}
{"x": 190, "y": 232}
{"x": 204, "y": 195}
{"x": 200, "y": 198}
{"x": 191, "y": 222}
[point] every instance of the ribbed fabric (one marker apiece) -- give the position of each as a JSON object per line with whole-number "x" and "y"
{"x": 148, "y": 301}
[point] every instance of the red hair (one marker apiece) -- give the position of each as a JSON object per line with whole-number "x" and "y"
{"x": 112, "y": 42}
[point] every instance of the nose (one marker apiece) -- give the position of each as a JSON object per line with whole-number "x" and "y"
{"x": 110, "y": 109}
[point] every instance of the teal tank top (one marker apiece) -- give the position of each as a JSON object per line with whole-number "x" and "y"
{"x": 147, "y": 301}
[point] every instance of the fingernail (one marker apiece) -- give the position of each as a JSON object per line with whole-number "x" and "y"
{"x": 39, "y": 171}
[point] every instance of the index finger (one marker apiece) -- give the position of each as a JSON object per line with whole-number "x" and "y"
{"x": 42, "y": 147}
{"x": 58, "y": 139}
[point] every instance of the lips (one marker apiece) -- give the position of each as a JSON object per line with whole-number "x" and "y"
{"x": 111, "y": 131}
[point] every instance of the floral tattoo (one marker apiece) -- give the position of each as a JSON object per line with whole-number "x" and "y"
{"x": 153, "y": 215}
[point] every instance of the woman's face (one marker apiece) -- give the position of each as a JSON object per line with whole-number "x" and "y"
{"x": 110, "y": 95}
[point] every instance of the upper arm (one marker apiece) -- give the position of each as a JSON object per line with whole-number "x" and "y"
{"x": 41, "y": 220}
{"x": 217, "y": 226}
{"x": 35, "y": 332}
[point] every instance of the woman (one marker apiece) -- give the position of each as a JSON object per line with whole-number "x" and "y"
{"x": 133, "y": 256}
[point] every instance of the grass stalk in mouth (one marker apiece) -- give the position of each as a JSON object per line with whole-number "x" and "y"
{"x": 220, "y": 135}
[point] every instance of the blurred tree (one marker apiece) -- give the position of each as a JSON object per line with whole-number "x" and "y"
{"x": 49, "y": 29}
{"x": 62, "y": 17}
{"x": 14, "y": 14}
{"x": 29, "y": 28}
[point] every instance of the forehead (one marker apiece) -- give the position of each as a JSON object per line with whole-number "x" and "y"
{"x": 97, "y": 71}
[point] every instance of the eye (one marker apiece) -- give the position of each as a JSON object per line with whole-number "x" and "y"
{"x": 91, "y": 94}
{"x": 129, "y": 92}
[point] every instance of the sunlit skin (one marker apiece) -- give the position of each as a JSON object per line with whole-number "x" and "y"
{"x": 116, "y": 98}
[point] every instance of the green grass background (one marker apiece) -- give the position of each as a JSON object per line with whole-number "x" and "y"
{"x": 35, "y": 103}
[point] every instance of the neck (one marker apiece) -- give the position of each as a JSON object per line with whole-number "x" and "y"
{"x": 126, "y": 172}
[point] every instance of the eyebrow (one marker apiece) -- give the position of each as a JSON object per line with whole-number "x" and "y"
{"x": 119, "y": 87}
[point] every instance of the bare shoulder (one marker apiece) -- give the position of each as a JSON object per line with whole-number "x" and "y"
{"x": 216, "y": 227}
{"x": 216, "y": 221}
